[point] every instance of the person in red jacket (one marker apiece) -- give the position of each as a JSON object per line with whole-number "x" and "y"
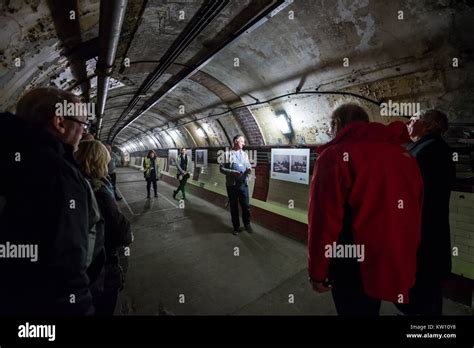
{"x": 364, "y": 217}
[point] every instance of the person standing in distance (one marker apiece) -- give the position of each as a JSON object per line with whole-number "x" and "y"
{"x": 182, "y": 166}
{"x": 236, "y": 171}
{"x": 151, "y": 173}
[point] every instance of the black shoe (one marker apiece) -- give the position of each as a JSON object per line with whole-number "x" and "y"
{"x": 237, "y": 231}
{"x": 148, "y": 197}
{"x": 174, "y": 194}
{"x": 118, "y": 198}
{"x": 156, "y": 195}
{"x": 249, "y": 229}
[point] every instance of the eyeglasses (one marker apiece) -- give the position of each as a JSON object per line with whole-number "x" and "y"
{"x": 85, "y": 125}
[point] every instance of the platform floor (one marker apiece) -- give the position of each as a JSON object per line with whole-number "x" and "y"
{"x": 190, "y": 251}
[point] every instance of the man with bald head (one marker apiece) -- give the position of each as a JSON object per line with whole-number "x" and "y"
{"x": 438, "y": 170}
{"x": 48, "y": 205}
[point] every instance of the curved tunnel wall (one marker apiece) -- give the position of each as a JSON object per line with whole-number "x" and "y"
{"x": 304, "y": 47}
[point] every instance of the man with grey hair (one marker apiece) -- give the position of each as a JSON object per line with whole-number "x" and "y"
{"x": 365, "y": 195}
{"x": 237, "y": 169}
{"x": 438, "y": 170}
{"x": 48, "y": 204}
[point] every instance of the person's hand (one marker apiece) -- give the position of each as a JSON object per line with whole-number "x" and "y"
{"x": 319, "y": 286}
{"x": 248, "y": 171}
{"x": 237, "y": 174}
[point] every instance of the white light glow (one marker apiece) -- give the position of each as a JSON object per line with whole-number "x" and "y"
{"x": 200, "y": 132}
{"x": 282, "y": 124}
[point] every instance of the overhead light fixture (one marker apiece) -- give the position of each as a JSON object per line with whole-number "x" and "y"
{"x": 283, "y": 123}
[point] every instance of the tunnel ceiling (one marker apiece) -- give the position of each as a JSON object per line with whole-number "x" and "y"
{"x": 178, "y": 62}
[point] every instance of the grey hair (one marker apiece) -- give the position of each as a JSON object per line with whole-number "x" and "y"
{"x": 437, "y": 121}
{"x": 38, "y": 106}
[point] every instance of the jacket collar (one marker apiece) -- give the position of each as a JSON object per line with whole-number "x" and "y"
{"x": 422, "y": 141}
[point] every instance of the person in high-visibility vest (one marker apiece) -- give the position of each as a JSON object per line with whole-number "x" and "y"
{"x": 182, "y": 165}
{"x": 151, "y": 171}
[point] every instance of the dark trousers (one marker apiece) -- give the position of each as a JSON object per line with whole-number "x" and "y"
{"x": 347, "y": 289}
{"x": 348, "y": 292}
{"x": 182, "y": 184}
{"x": 426, "y": 298}
{"x": 105, "y": 305}
{"x": 113, "y": 180}
{"x": 350, "y": 300}
{"x": 239, "y": 194}
{"x": 151, "y": 179}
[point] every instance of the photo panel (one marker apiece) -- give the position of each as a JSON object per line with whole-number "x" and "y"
{"x": 201, "y": 159}
{"x": 290, "y": 165}
{"x": 172, "y": 155}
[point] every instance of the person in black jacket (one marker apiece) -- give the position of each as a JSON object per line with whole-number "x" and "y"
{"x": 438, "y": 170}
{"x": 47, "y": 204}
{"x": 93, "y": 158}
{"x": 151, "y": 172}
{"x": 182, "y": 172}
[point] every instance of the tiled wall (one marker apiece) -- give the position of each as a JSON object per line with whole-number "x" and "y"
{"x": 462, "y": 232}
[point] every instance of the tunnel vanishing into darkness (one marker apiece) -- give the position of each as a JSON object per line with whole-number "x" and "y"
{"x": 169, "y": 74}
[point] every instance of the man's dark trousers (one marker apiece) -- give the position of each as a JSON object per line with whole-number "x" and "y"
{"x": 182, "y": 184}
{"x": 348, "y": 292}
{"x": 239, "y": 193}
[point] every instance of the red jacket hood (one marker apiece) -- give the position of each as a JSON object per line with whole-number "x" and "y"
{"x": 395, "y": 133}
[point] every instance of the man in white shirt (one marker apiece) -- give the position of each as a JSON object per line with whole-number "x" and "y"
{"x": 237, "y": 169}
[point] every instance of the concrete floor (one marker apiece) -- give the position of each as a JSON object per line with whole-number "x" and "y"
{"x": 190, "y": 251}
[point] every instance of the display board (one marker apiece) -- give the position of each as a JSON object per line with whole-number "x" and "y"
{"x": 290, "y": 165}
{"x": 201, "y": 158}
{"x": 172, "y": 154}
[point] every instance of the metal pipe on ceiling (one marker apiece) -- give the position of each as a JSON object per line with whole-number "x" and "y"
{"x": 112, "y": 13}
{"x": 208, "y": 11}
{"x": 257, "y": 21}
{"x": 65, "y": 16}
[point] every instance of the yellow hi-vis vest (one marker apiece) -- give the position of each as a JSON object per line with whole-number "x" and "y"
{"x": 147, "y": 166}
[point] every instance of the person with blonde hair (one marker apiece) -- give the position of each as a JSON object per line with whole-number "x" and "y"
{"x": 93, "y": 158}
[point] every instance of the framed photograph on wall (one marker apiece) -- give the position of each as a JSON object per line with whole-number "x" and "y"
{"x": 290, "y": 165}
{"x": 201, "y": 158}
{"x": 172, "y": 154}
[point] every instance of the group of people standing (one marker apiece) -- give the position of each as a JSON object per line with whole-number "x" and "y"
{"x": 386, "y": 188}
{"x": 58, "y": 196}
